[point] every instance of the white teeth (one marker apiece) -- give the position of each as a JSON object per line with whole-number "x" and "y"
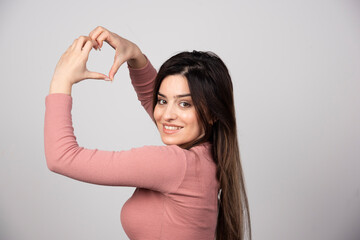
{"x": 171, "y": 127}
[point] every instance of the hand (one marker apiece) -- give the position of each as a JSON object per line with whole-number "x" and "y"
{"x": 125, "y": 51}
{"x": 71, "y": 67}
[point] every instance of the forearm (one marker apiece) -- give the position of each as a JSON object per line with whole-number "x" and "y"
{"x": 143, "y": 80}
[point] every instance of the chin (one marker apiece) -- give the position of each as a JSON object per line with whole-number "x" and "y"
{"x": 171, "y": 142}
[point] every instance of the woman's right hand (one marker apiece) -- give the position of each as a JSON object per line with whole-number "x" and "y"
{"x": 125, "y": 51}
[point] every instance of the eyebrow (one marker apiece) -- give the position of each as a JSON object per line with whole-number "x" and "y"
{"x": 177, "y": 96}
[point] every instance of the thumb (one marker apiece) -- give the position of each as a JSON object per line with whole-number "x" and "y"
{"x": 96, "y": 75}
{"x": 115, "y": 67}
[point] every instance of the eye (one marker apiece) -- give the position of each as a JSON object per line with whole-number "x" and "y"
{"x": 185, "y": 104}
{"x": 161, "y": 101}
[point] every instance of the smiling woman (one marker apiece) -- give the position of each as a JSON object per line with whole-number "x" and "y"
{"x": 191, "y": 188}
{"x": 175, "y": 114}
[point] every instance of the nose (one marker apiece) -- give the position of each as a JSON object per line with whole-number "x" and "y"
{"x": 169, "y": 113}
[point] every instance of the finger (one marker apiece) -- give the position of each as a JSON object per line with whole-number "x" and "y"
{"x": 115, "y": 67}
{"x": 96, "y": 32}
{"x": 72, "y": 47}
{"x": 80, "y": 42}
{"x": 94, "y": 35}
{"x": 89, "y": 44}
{"x": 96, "y": 75}
{"x": 104, "y": 36}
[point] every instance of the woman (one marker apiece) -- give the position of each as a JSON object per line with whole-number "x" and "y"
{"x": 193, "y": 187}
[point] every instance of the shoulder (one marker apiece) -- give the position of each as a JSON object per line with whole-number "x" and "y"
{"x": 169, "y": 158}
{"x": 200, "y": 173}
{"x": 169, "y": 151}
{"x": 203, "y": 150}
{"x": 160, "y": 168}
{"x": 200, "y": 158}
{"x": 174, "y": 163}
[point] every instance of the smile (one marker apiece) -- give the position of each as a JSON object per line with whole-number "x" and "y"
{"x": 171, "y": 129}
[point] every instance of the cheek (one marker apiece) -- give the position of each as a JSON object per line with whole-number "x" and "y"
{"x": 192, "y": 120}
{"x": 157, "y": 114}
{"x": 198, "y": 126}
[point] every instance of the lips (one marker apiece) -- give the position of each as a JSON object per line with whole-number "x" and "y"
{"x": 171, "y": 129}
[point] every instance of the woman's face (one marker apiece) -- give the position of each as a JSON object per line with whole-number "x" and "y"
{"x": 175, "y": 113}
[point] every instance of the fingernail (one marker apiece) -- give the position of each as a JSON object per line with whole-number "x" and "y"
{"x": 107, "y": 79}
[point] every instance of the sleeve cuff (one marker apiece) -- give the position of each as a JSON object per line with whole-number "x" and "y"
{"x": 140, "y": 69}
{"x": 141, "y": 76}
{"x": 61, "y": 100}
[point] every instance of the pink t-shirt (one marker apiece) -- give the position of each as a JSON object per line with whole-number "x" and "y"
{"x": 176, "y": 189}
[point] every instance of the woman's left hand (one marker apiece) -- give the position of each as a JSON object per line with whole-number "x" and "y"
{"x": 71, "y": 67}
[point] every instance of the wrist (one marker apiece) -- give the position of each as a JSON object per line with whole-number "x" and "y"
{"x": 138, "y": 61}
{"x": 60, "y": 87}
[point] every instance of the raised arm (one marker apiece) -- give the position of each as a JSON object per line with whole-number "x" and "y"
{"x": 143, "y": 80}
{"x": 160, "y": 168}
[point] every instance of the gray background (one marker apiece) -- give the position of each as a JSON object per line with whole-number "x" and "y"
{"x": 296, "y": 71}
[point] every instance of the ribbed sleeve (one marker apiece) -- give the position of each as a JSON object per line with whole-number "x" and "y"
{"x": 159, "y": 168}
{"x": 143, "y": 82}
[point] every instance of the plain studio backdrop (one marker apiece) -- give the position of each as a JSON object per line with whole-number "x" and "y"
{"x": 295, "y": 67}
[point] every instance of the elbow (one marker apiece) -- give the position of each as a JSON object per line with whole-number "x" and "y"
{"x": 59, "y": 151}
{"x": 52, "y": 160}
{"x": 58, "y": 160}
{"x": 59, "y": 156}
{"x": 51, "y": 163}
{"x": 51, "y": 166}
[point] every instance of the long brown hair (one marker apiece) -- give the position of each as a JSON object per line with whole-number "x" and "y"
{"x": 212, "y": 94}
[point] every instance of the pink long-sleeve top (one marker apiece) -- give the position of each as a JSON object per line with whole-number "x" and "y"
{"x": 176, "y": 189}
